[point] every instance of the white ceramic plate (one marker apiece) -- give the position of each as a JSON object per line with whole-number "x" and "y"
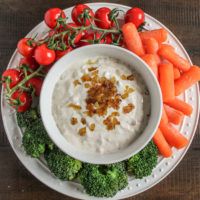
{"x": 164, "y": 167}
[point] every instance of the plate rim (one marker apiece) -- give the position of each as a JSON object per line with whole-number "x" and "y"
{"x": 32, "y": 171}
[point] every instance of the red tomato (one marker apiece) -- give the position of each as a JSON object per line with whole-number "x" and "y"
{"x": 102, "y": 18}
{"x": 26, "y": 47}
{"x": 77, "y": 37}
{"x": 43, "y": 55}
{"x": 13, "y": 75}
{"x": 52, "y": 15}
{"x": 135, "y": 15}
{"x": 21, "y": 101}
{"x": 36, "y": 84}
{"x": 82, "y": 15}
{"x": 108, "y": 39}
{"x": 91, "y": 38}
{"x": 30, "y": 62}
{"x": 60, "y": 54}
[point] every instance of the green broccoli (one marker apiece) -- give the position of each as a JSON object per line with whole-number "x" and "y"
{"x": 63, "y": 166}
{"x": 35, "y": 139}
{"x": 25, "y": 119}
{"x": 142, "y": 163}
{"x": 103, "y": 180}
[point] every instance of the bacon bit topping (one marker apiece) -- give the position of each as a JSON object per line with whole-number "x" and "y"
{"x": 74, "y": 106}
{"x": 127, "y": 91}
{"x": 123, "y": 77}
{"x": 92, "y": 69}
{"x": 82, "y": 131}
{"x": 92, "y": 127}
{"x": 83, "y": 121}
{"x": 85, "y": 78}
{"x": 76, "y": 82}
{"x": 130, "y": 77}
{"x": 95, "y": 73}
{"x": 115, "y": 113}
{"x": 128, "y": 108}
{"x": 74, "y": 121}
{"x": 110, "y": 122}
{"x": 87, "y": 85}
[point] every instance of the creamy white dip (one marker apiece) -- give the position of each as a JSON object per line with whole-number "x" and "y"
{"x": 100, "y": 140}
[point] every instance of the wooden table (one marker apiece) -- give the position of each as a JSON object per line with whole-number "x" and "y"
{"x": 18, "y": 17}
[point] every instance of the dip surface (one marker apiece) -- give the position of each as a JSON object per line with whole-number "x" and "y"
{"x": 84, "y": 110}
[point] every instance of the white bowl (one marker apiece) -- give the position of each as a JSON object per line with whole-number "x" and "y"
{"x": 92, "y": 51}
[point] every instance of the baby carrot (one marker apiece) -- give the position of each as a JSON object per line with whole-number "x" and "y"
{"x": 162, "y": 144}
{"x": 159, "y": 34}
{"x": 170, "y": 55}
{"x": 177, "y": 73}
{"x": 132, "y": 39}
{"x": 158, "y": 60}
{"x": 164, "y": 117}
{"x": 174, "y": 116}
{"x": 151, "y": 45}
{"x": 167, "y": 46}
{"x": 166, "y": 77}
{"x": 180, "y": 105}
{"x": 173, "y": 137}
{"x": 187, "y": 79}
{"x": 151, "y": 61}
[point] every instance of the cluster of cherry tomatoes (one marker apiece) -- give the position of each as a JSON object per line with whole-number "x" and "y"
{"x": 25, "y": 81}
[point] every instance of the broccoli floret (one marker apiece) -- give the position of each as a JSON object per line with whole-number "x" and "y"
{"x": 24, "y": 119}
{"x": 142, "y": 163}
{"x": 103, "y": 180}
{"x": 63, "y": 166}
{"x": 35, "y": 139}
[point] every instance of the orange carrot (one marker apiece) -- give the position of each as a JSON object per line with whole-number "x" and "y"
{"x": 132, "y": 39}
{"x": 167, "y": 46}
{"x": 187, "y": 79}
{"x": 173, "y": 137}
{"x": 174, "y": 116}
{"x": 177, "y": 73}
{"x": 166, "y": 77}
{"x": 162, "y": 144}
{"x": 180, "y": 105}
{"x": 174, "y": 58}
{"x": 151, "y": 61}
{"x": 164, "y": 117}
{"x": 158, "y": 60}
{"x": 151, "y": 45}
{"x": 159, "y": 34}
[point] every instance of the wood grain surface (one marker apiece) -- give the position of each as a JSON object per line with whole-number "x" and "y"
{"x": 18, "y": 17}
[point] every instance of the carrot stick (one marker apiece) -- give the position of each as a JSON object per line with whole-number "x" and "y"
{"x": 151, "y": 45}
{"x": 162, "y": 144}
{"x": 164, "y": 117}
{"x": 167, "y": 46}
{"x": 180, "y": 105}
{"x": 166, "y": 77}
{"x": 132, "y": 39}
{"x": 187, "y": 79}
{"x": 170, "y": 55}
{"x": 158, "y": 60}
{"x": 174, "y": 116}
{"x": 151, "y": 61}
{"x": 159, "y": 34}
{"x": 177, "y": 73}
{"x": 173, "y": 137}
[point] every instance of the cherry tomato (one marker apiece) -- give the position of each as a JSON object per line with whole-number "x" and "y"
{"x": 91, "y": 38}
{"x": 26, "y": 47}
{"x": 13, "y": 75}
{"x": 21, "y": 101}
{"x": 77, "y": 37}
{"x": 82, "y": 15}
{"x": 135, "y": 15}
{"x": 103, "y": 19}
{"x": 43, "y": 55}
{"x": 60, "y": 54}
{"x": 108, "y": 39}
{"x": 36, "y": 84}
{"x": 30, "y": 62}
{"x": 52, "y": 15}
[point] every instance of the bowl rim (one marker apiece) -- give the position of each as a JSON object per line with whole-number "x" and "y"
{"x": 102, "y": 158}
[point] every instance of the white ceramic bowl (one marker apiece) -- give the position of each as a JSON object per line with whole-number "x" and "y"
{"x": 92, "y": 51}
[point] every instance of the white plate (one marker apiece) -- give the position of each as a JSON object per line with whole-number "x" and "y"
{"x": 164, "y": 167}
